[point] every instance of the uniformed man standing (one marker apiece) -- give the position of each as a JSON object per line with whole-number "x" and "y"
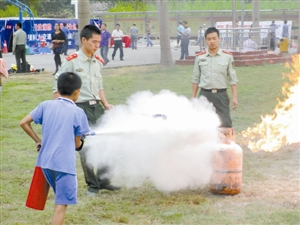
{"x": 19, "y": 47}
{"x": 88, "y": 66}
{"x": 213, "y": 71}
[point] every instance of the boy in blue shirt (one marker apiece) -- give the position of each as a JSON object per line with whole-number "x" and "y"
{"x": 63, "y": 123}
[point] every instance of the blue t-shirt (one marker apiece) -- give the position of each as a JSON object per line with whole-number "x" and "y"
{"x": 66, "y": 31}
{"x": 61, "y": 121}
{"x": 180, "y": 29}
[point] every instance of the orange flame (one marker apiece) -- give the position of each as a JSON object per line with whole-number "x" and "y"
{"x": 283, "y": 126}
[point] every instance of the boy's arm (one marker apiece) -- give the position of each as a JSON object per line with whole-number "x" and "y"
{"x": 25, "y": 124}
{"x": 78, "y": 143}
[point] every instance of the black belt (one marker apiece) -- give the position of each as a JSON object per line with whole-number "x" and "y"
{"x": 20, "y": 45}
{"x": 92, "y": 102}
{"x": 214, "y": 90}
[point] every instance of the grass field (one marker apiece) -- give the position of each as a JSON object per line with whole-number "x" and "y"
{"x": 270, "y": 192}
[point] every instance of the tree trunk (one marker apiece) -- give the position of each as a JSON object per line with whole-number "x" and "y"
{"x": 83, "y": 14}
{"x": 166, "y": 58}
{"x": 255, "y": 21}
{"x": 298, "y": 39}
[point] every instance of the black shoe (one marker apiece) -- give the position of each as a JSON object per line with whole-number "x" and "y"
{"x": 122, "y": 59}
{"x": 112, "y": 57}
{"x": 110, "y": 187}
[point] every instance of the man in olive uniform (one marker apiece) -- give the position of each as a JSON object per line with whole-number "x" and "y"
{"x": 88, "y": 66}
{"x": 19, "y": 47}
{"x": 213, "y": 71}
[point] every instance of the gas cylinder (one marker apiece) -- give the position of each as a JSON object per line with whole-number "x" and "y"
{"x": 227, "y": 165}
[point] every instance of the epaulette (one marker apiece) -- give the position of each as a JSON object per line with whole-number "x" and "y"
{"x": 100, "y": 59}
{"x": 226, "y": 52}
{"x": 201, "y": 53}
{"x": 73, "y": 56}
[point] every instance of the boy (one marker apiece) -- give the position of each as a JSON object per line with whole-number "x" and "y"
{"x": 63, "y": 123}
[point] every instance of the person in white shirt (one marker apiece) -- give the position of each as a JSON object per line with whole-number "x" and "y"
{"x": 250, "y": 45}
{"x": 117, "y": 35}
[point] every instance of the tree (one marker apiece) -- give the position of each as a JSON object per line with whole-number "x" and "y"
{"x": 83, "y": 13}
{"x": 166, "y": 58}
{"x": 299, "y": 30}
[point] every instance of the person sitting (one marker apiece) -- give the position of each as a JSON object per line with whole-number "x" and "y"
{"x": 250, "y": 45}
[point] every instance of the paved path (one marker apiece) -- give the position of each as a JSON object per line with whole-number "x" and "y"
{"x": 142, "y": 56}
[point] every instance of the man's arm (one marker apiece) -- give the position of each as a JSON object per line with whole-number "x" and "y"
{"x": 196, "y": 78}
{"x": 195, "y": 88}
{"x": 26, "y": 125}
{"x": 234, "y": 96}
{"x": 233, "y": 82}
{"x": 14, "y": 42}
{"x": 104, "y": 101}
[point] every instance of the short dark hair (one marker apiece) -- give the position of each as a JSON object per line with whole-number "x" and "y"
{"x": 212, "y": 30}
{"x": 19, "y": 24}
{"x": 184, "y": 22}
{"x": 88, "y": 31}
{"x": 104, "y": 24}
{"x": 67, "y": 83}
{"x": 118, "y": 24}
{"x": 65, "y": 24}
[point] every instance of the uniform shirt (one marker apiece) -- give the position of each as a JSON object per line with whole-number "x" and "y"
{"x": 89, "y": 71}
{"x": 105, "y": 36}
{"x": 214, "y": 72}
{"x": 285, "y": 31}
{"x": 180, "y": 29}
{"x": 117, "y": 33}
{"x": 134, "y": 31}
{"x": 19, "y": 38}
{"x": 186, "y": 31}
{"x": 61, "y": 121}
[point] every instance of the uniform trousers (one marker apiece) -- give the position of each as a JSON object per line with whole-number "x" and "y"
{"x": 220, "y": 101}
{"x": 93, "y": 178}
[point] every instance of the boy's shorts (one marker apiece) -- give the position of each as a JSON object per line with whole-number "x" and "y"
{"x": 64, "y": 186}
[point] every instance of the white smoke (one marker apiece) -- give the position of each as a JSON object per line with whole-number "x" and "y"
{"x": 172, "y": 153}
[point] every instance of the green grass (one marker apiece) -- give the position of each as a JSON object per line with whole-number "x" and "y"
{"x": 132, "y": 6}
{"x": 270, "y": 192}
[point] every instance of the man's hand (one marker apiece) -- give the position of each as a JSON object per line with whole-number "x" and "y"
{"x": 108, "y": 106}
{"x": 234, "y": 103}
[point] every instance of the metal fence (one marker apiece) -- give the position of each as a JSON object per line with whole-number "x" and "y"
{"x": 237, "y": 39}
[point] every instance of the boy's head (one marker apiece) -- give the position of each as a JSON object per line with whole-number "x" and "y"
{"x": 68, "y": 85}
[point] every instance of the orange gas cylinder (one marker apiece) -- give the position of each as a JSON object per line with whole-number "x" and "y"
{"x": 227, "y": 164}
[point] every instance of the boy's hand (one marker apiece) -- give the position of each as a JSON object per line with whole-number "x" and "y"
{"x": 38, "y": 146}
